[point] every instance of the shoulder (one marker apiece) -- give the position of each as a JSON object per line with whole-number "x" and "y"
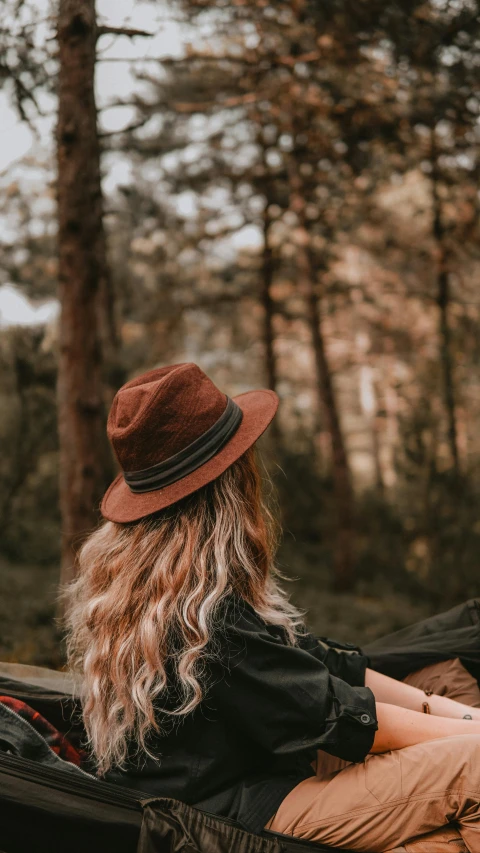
{"x": 237, "y": 618}
{"x": 241, "y": 637}
{"x": 236, "y": 612}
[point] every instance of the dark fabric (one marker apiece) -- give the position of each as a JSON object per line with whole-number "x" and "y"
{"x": 454, "y": 634}
{"x": 52, "y": 737}
{"x": 60, "y": 709}
{"x": 189, "y": 458}
{"x": 45, "y": 810}
{"x": 344, "y": 660}
{"x": 18, "y": 737}
{"x": 172, "y": 826}
{"x": 268, "y": 707}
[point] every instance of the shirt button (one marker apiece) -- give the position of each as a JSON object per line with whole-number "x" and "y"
{"x": 365, "y": 718}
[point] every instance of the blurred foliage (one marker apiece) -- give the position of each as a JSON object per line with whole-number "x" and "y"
{"x": 29, "y": 516}
{"x": 345, "y": 131}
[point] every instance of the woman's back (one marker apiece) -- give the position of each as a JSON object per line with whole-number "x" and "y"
{"x": 255, "y": 734}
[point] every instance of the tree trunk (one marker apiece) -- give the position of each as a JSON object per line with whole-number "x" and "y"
{"x": 443, "y": 299}
{"x": 82, "y": 264}
{"x": 342, "y": 481}
{"x": 267, "y": 302}
{"x": 267, "y": 273}
{"x": 113, "y": 372}
{"x": 344, "y": 549}
{"x": 369, "y": 405}
{"x": 443, "y": 302}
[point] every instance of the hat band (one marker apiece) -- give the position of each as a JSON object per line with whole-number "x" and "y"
{"x": 190, "y": 458}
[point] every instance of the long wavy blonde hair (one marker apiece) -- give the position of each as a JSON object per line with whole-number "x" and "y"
{"x": 147, "y": 599}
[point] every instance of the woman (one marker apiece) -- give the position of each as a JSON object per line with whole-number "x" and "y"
{"x": 199, "y": 681}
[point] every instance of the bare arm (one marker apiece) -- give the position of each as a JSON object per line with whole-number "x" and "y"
{"x": 393, "y": 692}
{"x": 401, "y": 727}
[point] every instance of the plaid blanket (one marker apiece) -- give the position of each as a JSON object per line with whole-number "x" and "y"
{"x": 57, "y": 742}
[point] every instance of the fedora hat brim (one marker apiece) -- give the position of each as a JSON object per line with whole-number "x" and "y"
{"x": 122, "y": 505}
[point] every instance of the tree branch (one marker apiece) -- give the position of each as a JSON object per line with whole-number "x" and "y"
{"x": 219, "y": 299}
{"x": 122, "y": 31}
{"x": 253, "y": 61}
{"x": 234, "y": 101}
{"x": 128, "y": 129}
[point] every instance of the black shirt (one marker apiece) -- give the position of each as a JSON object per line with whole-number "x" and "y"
{"x": 268, "y": 707}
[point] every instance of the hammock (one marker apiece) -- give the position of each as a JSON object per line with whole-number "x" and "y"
{"x": 55, "y": 806}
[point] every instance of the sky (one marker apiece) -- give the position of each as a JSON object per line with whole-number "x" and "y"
{"x": 114, "y": 79}
{"x": 119, "y": 58}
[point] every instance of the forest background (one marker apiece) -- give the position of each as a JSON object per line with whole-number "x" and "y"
{"x": 287, "y": 194}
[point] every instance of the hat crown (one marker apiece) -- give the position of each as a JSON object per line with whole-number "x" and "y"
{"x": 160, "y": 413}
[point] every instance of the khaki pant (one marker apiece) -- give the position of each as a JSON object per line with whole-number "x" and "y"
{"x": 424, "y": 797}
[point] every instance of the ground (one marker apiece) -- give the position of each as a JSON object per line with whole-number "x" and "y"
{"x": 27, "y": 614}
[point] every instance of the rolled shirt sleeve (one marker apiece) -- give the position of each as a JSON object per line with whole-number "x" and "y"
{"x": 344, "y": 660}
{"x": 286, "y": 699}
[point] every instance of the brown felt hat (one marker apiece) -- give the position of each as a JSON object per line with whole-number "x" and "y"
{"x": 173, "y": 431}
